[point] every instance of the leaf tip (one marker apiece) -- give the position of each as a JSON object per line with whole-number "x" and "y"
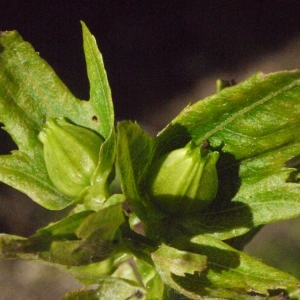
{"x": 84, "y": 27}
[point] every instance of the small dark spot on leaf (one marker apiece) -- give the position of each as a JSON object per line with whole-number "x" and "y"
{"x": 95, "y": 118}
{"x": 1, "y": 48}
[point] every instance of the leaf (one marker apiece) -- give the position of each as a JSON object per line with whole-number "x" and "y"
{"x": 105, "y": 222}
{"x": 255, "y": 127}
{"x": 81, "y": 295}
{"x": 100, "y": 94}
{"x": 29, "y": 175}
{"x": 134, "y": 155}
{"x": 103, "y": 175}
{"x": 66, "y": 227}
{"x": 83, "y": 238}
{"x": 294, "y": 293}
{"x": 157, "y": 290}
{"x": 30, "y": 91}
{"x": 38, "y": 246}
{"x": 207, "y": 268}
{"x": 110, "y": 288}
{"x": 171, "y": 262}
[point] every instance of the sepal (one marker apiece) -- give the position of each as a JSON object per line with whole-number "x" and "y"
{"x": 71, "y": 155}
{"x": 184, "y": 180}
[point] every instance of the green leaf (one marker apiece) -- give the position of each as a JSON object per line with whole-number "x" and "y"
{"x": 83, "y": 238}
{"x": 170, "y": 262}
{"x": 207, "y": 267}
{"x": 77, "y": 245}
{"x": 29, "y": 175}
{"x": 9, "y": 245}
{"x": 81, "y": 295}
{"x": 178, "y": 262}
{"x": 255, "y": 127}
{"x": 157, "y": 290}
{"x": 103, "y": 175}
{"x": 110, "y": 288}
{"x": 30, "y": 91}
{"x": 134, "y": 155}
{"x": 67, "y": 226}
{"x": 100, "y": 94}
{"x": 38, "y": 246}
{"x": 294, "y": 293}
{"x": 95, "y": 273}
{"x": 105, "y": 222}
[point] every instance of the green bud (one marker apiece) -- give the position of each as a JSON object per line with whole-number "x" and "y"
{"x": 71, "y": 155}
{"x": 184, "y": 180}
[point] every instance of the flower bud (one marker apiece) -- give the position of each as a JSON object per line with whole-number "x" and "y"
{"x": 184, "y": 180}
{"x": 71, "y": 155}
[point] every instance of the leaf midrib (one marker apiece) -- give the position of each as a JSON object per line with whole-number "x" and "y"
{"x": 243, "y": 111}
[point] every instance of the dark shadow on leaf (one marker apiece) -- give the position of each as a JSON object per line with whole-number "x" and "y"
{"x": 236, "y": 215}
{"x": 1, "y": 48}
{"x": 38, "y": 243}
{"x": 197, "y": 283}
{"x": 94, "y": 249}
{"x": 200, "y": 285}
{"x": 174, "y": 136}
{"x": 240, "y": 242}
{"x": 293, "y": 162}
{"x": 219, "y": 260}
{"x": 229, "y": 180}
{"x": 178, "y": 206}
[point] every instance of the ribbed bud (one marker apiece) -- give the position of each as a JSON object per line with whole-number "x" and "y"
{"x": 71, "y": 155}
{"x": 184, "y": 180}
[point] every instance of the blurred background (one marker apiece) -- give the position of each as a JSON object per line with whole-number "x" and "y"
{"x": 159, "y": 57}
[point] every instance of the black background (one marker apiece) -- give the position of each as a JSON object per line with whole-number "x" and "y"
{"x": 152, "y": 50}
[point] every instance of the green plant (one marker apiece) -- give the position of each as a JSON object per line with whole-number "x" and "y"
{"x": 244, "y": 146}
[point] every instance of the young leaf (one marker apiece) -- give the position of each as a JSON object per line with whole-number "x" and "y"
{"x": 81, "y": 295}
{"x": 66, "y": 227}
{"x": 255, "y": 127}
{"x": 110, "y": 288}
{"x": 100, "y": 94}
{"x": 171, "y": 262}
{"x": 105, "y": 222}
{"x": 30, "y": 91}
{"x": 219, "y": 272}
{"x": 134, "y": 155}
{"x": 103, "y": 176}
{"x": 157, "y": 289}
{"x": 83, "y": 238}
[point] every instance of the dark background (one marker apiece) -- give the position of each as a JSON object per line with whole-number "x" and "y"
{"x": 152, "y": 50}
